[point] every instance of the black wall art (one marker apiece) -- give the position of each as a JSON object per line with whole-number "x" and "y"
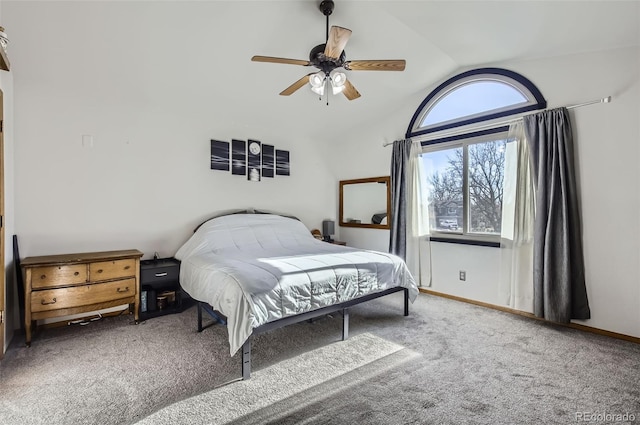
{"x": 238, "y": 157}
{"x": 249, "y": 158}
{"x": 219, "y": 155}
{"x": 282, "y": 163}
{"x": 268, "y": 160}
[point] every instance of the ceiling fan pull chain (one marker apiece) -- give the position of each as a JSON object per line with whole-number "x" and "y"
{"x": 326, "y": 85}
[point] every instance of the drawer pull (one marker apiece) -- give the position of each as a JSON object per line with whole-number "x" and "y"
{"x": 44, "y": 276}
{"x": 99, "y": 270}
{"x": 120, "y": 290}
{"x": 161, "y": 274}
{"x": 127, "y": 267}
{"x": 76, "y": 273}
{"x": 44, "y": 303}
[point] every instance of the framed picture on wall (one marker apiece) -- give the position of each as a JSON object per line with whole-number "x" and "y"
{"x": 282, "y": 163}
{"x": 268, "y": 160}
{"x": 219, "y": 155}
{"x": 254, "y": 160}
{"x": 238, "y": 157}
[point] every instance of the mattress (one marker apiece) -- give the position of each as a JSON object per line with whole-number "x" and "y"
{"x": 257, "y": 268}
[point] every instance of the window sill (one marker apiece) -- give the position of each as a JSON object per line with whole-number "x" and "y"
{"x": 465, "y": 241}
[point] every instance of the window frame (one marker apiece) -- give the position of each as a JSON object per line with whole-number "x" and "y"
{"x": 472, "y": 127}
{"x": 523, "y": 85}
{"x": 465, "y": 140}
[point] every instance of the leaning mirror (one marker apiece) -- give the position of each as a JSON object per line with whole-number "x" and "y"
{"x": 365, "y": 202}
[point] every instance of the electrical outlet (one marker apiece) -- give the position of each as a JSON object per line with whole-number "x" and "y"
{"x": 463, "y": 275}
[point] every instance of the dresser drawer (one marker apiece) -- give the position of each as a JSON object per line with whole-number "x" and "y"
{"x": 55, "y": 299}
{"x": 52, "y": 276}
{"x": 106, "y": 270}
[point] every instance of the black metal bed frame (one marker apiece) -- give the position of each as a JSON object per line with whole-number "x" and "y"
{"x": 343, "y": 307}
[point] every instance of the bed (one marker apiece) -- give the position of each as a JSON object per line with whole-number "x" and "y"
{"x": 259, "y": 271}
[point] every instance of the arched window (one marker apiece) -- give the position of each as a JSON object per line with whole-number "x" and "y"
{"x": 475, "y": 96}
{"x": 464, "y": 148}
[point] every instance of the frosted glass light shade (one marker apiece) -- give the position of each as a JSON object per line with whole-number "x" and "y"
{"x": 318, "y": 90}
{"x": 338, "y": 78}
{"x": 317, "y": 80}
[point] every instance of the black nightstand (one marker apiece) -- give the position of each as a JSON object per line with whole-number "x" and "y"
{"x": 160, "y": 291}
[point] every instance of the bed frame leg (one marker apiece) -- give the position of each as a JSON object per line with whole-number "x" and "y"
{"x": 199, "y": 317}
{"x": 246, "y": 359}
{"x": 406, "y": 301}
{"x": 345, "y": 324}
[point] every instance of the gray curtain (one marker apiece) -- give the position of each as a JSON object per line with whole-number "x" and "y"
{"x": 399, "y": 176}
{"x": 559, "y": 287}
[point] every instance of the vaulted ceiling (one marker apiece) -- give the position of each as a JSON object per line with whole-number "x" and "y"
{"x": 202, "y": 49}
{"x": 436, "y": 38}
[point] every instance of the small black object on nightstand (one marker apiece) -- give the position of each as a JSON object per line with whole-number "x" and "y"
{"x": 160, "y": 291}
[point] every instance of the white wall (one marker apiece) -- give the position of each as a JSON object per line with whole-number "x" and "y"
{"x": 607, "y": 153}
{"x": 481, "y": 265}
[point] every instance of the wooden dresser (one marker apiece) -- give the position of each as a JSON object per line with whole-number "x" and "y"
{"x": 62, "y": 285}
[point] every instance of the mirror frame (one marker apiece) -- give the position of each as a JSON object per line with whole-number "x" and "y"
{"x": 383, "y": 179}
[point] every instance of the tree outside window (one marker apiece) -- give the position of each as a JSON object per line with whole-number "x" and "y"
{"x": 448, "y": 184}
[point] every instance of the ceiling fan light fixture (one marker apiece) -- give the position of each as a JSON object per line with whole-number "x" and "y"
{"x": 318, "y": 90}
{"x": 317, "y": 80}
{"x": 337, "y": 78}
{"x": 336, "y": 90}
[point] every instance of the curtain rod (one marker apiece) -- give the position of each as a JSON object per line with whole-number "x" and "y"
{"x": 501, "y": 123}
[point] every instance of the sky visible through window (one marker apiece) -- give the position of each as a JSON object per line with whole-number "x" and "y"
{"x": 472, "y": 98}
{"x": 435, "y": 161}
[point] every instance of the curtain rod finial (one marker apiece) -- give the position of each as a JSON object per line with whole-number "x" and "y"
{"x": 606, "y": 99}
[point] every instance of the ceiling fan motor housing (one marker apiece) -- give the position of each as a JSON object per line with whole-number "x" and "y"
{"x": 324, "y": 63}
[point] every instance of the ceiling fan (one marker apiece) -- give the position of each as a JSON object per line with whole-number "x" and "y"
{"x": 330, "y": 59}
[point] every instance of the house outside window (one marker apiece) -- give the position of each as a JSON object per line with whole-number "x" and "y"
{"x": 463, "y": 131}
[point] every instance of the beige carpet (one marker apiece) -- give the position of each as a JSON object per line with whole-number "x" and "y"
{"x": 447, "y": 363}
{"x": 279, "y": 382}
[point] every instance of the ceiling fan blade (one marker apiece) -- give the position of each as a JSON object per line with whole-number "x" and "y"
{"x": 338, "y": 38}
{"x": 349, "y": 91}
{"x": 295, "y": 86}
{"x": 376, "y": 65}
{"x": 271, "y": 59}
